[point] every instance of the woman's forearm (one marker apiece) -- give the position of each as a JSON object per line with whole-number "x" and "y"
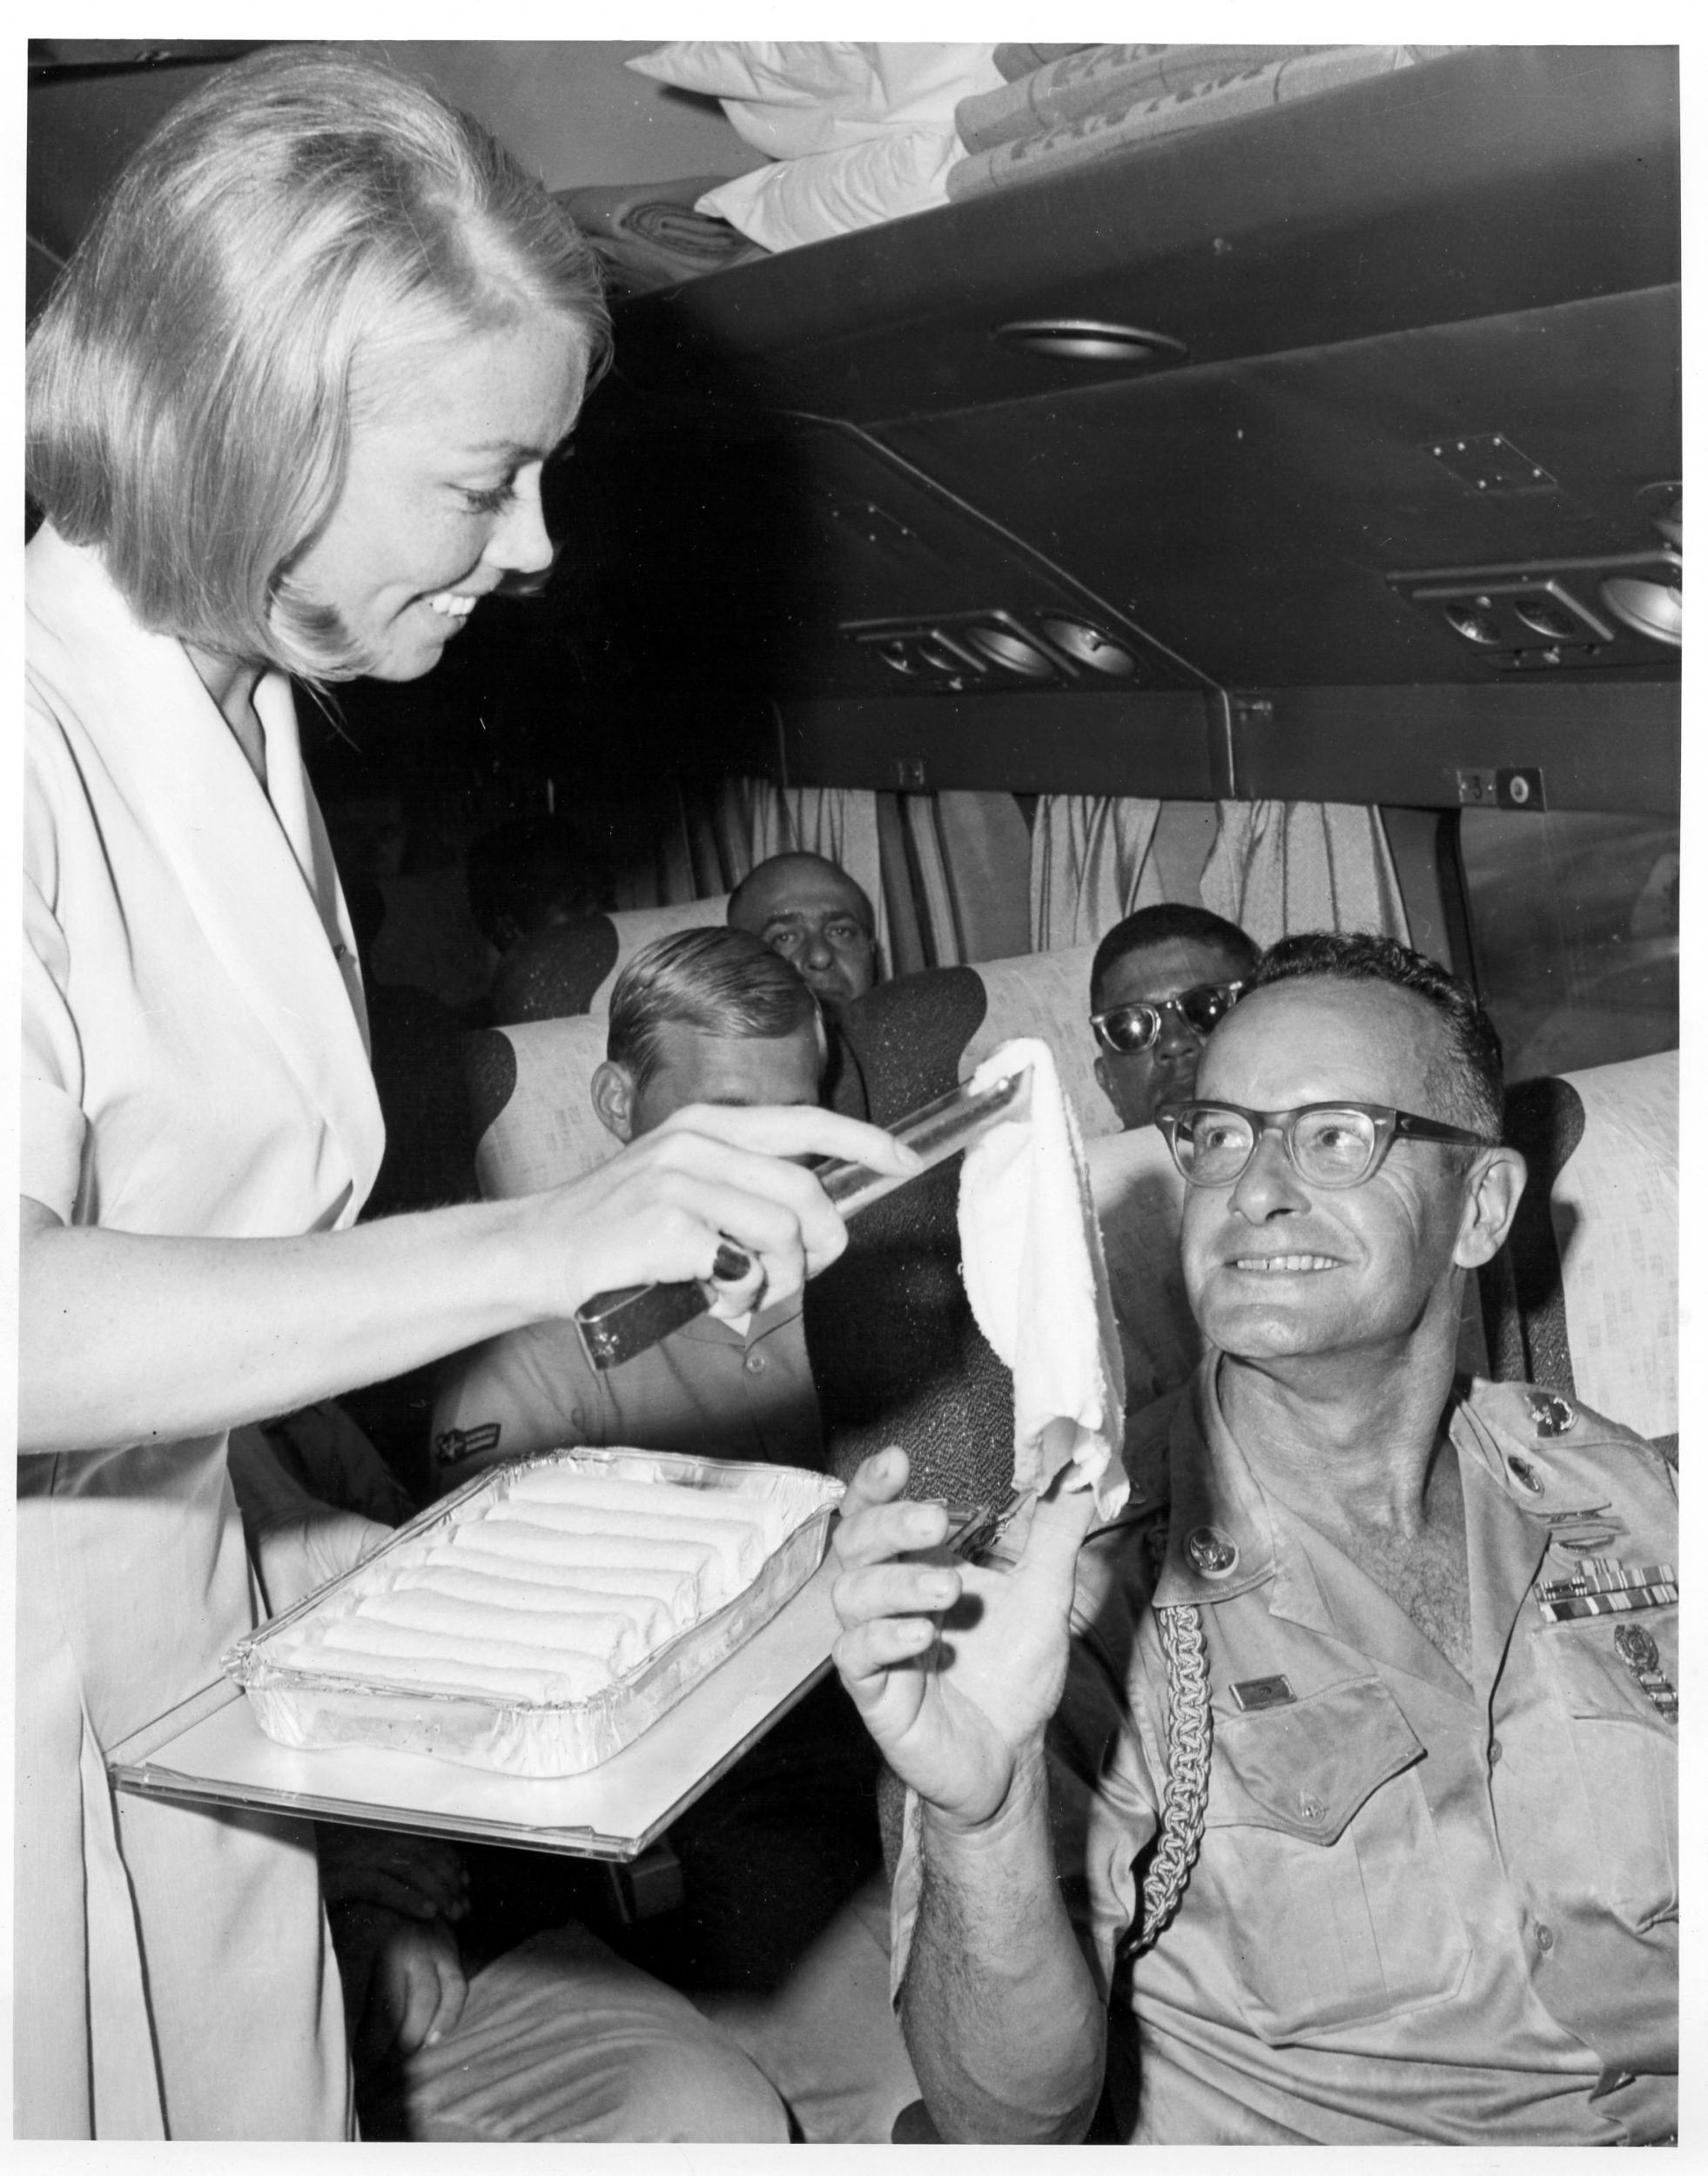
{"x": 124, "y": 1338}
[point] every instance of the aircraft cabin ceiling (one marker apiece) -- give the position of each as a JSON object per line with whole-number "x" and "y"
{"x": 1381, "y": 393}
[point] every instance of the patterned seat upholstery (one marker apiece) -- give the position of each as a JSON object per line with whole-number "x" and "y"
{"x": 895, "y": 1351}
{"x": 568, "y": 969}
{"x": 531, "y": 1106}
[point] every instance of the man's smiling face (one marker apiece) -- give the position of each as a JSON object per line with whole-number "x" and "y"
{"x": 1276, "y": 1268}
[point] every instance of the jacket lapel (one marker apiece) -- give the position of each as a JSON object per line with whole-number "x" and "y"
{"x": 257, "y": 871}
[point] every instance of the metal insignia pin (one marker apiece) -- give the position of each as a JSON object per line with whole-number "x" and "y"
{"x": 1211, "y": 1552}
{"x": 1522, "y": 1470}
{"x": 1640, "y": 1656}
{"x": 1552, "y": 1415}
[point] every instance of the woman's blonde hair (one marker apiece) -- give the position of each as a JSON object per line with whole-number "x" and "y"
{"x": 191, "y": 380}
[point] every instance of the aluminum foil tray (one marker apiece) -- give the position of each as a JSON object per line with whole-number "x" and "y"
{"x": 301, "y": 1707}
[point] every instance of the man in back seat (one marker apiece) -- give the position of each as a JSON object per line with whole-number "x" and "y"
{"x": 1159, "y": 982}
{"x": 706, "y": 1016}
{"x": 815, "y": 915}
{"x": 1348, "y": 1813}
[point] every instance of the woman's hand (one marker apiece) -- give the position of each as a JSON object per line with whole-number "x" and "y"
{"x": 955, "y": 1668}
{"x": 658, "y": 1212}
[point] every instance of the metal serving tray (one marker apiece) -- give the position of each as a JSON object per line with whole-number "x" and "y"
{"x": 302, "y": 1708}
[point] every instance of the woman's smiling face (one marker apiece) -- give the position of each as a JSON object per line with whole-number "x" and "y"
{"x": 441, "y": 496}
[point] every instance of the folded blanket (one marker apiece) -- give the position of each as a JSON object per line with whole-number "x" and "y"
{"x": 1099, "y": 79}
{"x": 1128, "y": 119}
{"x": 1032, "y": 1263}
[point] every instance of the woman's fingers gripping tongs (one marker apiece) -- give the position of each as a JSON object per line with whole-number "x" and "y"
{"x": 614, "y": 1326}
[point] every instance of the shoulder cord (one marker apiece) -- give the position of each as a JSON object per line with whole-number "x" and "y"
{"x": 1187, "y": 1790}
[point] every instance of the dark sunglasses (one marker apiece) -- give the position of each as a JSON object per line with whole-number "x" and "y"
{"x": 1124, "y": 1031}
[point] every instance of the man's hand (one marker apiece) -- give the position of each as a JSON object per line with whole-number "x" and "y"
{"x": 955, "y": 1668}
{"x": 403, "y": 1982}
{"x": 422, "y": 1877}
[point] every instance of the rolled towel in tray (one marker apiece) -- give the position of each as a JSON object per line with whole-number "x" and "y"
{"x": 650, "y": 1500}
{"x": 738, "y": 1545}
{"x": 393, "y": 1654}
{"x": 562, "y": 1555}
{"x": 650, "y": 1614}
{"x": 613, "y": 1636}
{"x": 677, "y": 1590}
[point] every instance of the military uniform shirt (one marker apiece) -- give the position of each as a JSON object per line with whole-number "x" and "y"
{"x": 1422, "y": 1909}
{"x": 709, "y": 1388}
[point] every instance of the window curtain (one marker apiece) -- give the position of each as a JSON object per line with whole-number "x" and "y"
{"x": 1280, "y": 866}
{"x": 945, "y": 872}
{"x": 1092, "y": 862}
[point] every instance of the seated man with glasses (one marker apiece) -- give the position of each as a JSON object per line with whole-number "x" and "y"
{"x": 1159, "y": 982}
{"x": 1330, "y": 1796}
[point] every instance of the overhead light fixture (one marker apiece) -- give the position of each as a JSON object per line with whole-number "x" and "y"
{"x": 1088, "y": 645}
{"x": 1653, "y": 608}
{"x": 1092, "y": 340}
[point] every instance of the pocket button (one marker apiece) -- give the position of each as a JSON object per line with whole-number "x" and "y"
{"x": 1310, "y": 1809}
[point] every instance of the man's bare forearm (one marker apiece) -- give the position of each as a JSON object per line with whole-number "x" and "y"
{"x": 1001, "y": 2014}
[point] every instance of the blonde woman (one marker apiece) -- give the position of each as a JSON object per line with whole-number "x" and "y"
{"x": 288, "y": 410}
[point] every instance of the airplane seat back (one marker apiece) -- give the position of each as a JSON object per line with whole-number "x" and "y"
{"x": 1584, "y": 1297}
{"x": 530, "y": 1104}
{"x": 896, "y": 1353}
{"x": 569, "y": 968}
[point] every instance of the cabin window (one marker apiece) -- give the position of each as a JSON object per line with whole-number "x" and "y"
{"x": 1575, "y": 921}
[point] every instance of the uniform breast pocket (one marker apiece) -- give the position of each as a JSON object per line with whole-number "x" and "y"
{"x": 1320, "y": 1840}
{"x": 1624, "y": 1751}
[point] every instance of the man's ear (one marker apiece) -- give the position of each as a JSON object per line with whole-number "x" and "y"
{"x": 1102, "y": 1073}
{"x": 613, "y": 1095}
{"x": 1491, "y": 1202}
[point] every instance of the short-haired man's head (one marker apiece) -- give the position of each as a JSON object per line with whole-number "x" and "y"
{"x": 1463, "y": 1082}
{"x": 814, "y": 914}
{"x": 1157, "y": 954}
{"x": 282, "y": 240}
{"x": 707, "y": 1016}
{"x": 1150, "y": 927}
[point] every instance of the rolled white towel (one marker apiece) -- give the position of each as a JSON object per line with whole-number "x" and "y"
{"x": 677, "y": 1590}
{"x": 609, "y": 1636}
{"x": 738, "y": 1544}
{"x": 392, "y": 1654}
{"x": 653, "y": 1499}
{"x": 563, "y": 1555}
{"x": 650, "y": 1614}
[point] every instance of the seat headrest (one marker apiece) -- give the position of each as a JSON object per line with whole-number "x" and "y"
{"x": 916, "y": 1037}
{"x": 569, "y": 969}
{"x": 530, "y": 1091}
{"x": 1615, "y": 1211}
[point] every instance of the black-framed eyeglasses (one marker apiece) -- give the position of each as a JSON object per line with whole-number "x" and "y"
{"x": 1124, "y": 1031}
{"x": 1328, "y": 1144}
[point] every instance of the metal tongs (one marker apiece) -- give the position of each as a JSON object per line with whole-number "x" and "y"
{"x": 616, "y": 1325}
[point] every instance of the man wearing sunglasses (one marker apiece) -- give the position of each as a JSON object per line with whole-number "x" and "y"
{"x": 1356, "y": 1822}
{"x": 1159, "y": 982}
